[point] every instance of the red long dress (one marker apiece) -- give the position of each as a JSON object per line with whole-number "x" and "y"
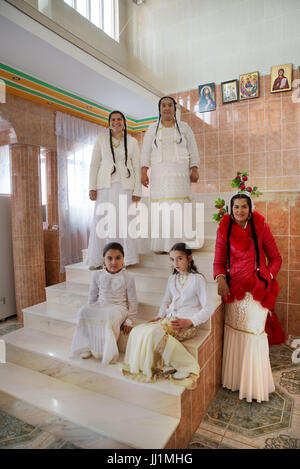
{"x": 243, "y": 275}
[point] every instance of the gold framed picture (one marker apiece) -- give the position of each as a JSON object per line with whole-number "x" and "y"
{"x": 281, "y": 78}
{"x": 249, "y": 85}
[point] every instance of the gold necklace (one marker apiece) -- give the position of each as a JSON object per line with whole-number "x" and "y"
{"x": 182, "y": 278}
{"x": 116, "y": 145}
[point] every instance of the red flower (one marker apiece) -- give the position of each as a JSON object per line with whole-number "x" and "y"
{"x": 249, "y": 189}
{"x": 242, "y": 187}
{"x": 245, "y": 178}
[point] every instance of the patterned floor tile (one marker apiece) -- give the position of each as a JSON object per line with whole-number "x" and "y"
{"x": 202, "y": 442}
{"x": 9, "y": 328}
{"x": 282, "y": 441}
{"x": 281, "y": 357}
{"x": 17, "y": 434}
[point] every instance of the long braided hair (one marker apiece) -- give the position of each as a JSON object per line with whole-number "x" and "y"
{"x": 254, "y": 236}
{"x": 182, "y": 247}
{"x": 125, "y": 141}
{"x": 159, "y": 119}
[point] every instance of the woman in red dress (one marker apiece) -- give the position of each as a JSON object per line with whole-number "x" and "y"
{"x": 249, "y": 288}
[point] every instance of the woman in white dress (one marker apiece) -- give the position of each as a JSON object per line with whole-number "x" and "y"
{"x": 170, "y": 149}
{"x": 112, "y": 304}
{"x": 114, "y": 172}
{"x": 153, "y": 349}
{"x": 249, "y": 288}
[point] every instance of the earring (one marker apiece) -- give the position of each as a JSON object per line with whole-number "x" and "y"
{"x": 249, "y": 216}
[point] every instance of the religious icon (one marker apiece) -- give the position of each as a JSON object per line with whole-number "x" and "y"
{"x": 281, "y": 78}
{"x": 229, "y": 91}
{"x": 249, "y": 85}
{"x": 207, "y": 99}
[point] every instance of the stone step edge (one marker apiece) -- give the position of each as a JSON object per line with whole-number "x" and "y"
{"x": 167, "y": 388}
{"x": 21, "y": 390}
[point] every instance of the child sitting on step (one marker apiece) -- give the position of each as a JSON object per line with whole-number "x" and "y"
{"x": 112, "y": 303}
{"x": 153, "y": 349}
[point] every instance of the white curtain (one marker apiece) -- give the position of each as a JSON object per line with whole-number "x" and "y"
{"x": 5, "y": 183}
{"x": 75, "y": 140}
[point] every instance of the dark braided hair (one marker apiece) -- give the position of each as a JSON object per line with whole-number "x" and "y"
{"x": 182, "y": 247}
{"x": 115, "y": 246}
{"x": 159, "y": 119}
{"x": 125, "y": 141}
{"x": 254, "y": 236}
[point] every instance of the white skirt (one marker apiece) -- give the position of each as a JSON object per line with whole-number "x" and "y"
{"x": 150, "y": 348}
{"x": 246, "y": 363}
{"x": 98, "y": 331}
{"x": 96, "y": 243}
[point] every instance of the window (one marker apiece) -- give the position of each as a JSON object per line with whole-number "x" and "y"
{"x": 5, "y": 186}
{"x": 102, "y": 13}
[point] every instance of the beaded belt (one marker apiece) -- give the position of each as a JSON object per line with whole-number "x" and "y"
{"x": 246, "y": 332}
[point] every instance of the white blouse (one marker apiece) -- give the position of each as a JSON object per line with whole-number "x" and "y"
{"x": 188, "y": 302}
{"x": 186, "y": 150}
{"x": 117, "y": 289}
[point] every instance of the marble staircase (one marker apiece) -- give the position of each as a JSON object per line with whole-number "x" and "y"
{"x": 127, "y": 414}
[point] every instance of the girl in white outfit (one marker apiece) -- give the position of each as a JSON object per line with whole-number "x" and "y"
{"x": 114, "y": 172}
{"x": 154, "y": 348}
{"x": 112, "y": 304}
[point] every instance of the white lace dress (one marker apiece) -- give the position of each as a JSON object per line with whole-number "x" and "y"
{"x": 112, "y": 301}
{"x": 169, "y": 179}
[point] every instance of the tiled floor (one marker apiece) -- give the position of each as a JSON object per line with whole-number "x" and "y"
{"x": 231, "y": 423}
{"x": 228, "y": 423}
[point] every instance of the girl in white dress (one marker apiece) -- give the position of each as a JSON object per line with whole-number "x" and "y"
{"x": 114, "y": 171}
{"x": 170, "y": 149}
{"x": 112, "y": 304}
{"x": 154, "y": 348}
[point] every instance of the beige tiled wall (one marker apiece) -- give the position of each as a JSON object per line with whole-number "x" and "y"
{"x": 260, "y": 135}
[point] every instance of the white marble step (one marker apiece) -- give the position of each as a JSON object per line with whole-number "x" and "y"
{"x": 203, "y": 261}
{"x": 50, "y": 355}
{"x": 60, "y": 320}
{"x": 130, "y": 425}
{"x": 76, "y": 295}
{"x": 147, "y": 278}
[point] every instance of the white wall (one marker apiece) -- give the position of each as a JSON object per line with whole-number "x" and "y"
{"x": 175, "y": 45}
{"x": 7, "y": 286}
{"x": 179, "y": 44}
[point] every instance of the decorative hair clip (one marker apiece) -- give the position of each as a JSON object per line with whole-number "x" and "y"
{"x": 238, "y": 181}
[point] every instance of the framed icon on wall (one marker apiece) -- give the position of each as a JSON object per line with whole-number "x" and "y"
{"x": 281, "y": 78}
{"x": 207, "y": 97}
{"x": 249, "y": 85}
{"x": 229, "y": 91}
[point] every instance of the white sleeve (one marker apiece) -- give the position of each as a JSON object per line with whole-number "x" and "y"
{"x": 95, "y": 164}
{"x": 132, "y": 300}
{"x": 167, "y": 300}
{"x": 207, "y": 309}
{"x": 94, "y": 289}
{"x": 136, "y": 168}
{"x": 147, "y": 147}
{"x": 192, "y": 146}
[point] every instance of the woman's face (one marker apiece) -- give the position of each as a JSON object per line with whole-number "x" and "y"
{"x": 180, "y": 261}
{"x": 167, "y": 109}
{"x": 114, "y": 261}
{"x": 240, "y": 210}
{"x": 116, "y": 123}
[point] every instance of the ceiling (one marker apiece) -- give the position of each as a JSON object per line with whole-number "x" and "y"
{"x": 33, "y": 49}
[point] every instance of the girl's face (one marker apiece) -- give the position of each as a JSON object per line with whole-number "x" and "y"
{"x": 240, "y": 211}
{"x": 114, "y": 261}
{"x": 116, "y": 123}
{"x": 180, "y": 261}
{"x": 167, "y": 109}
